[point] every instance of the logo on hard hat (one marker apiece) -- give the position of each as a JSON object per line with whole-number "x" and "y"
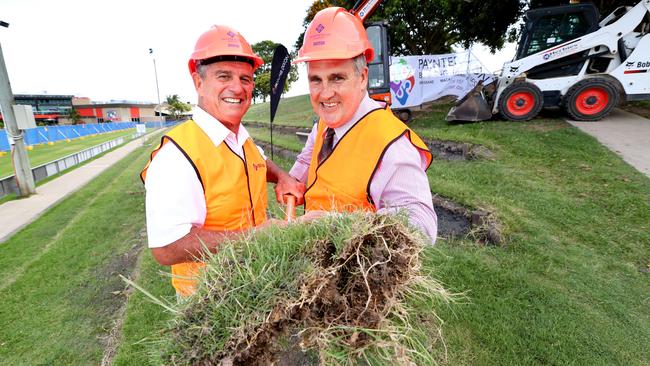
{"x": 230, "y": 34}
{"x": 320, "y": 28}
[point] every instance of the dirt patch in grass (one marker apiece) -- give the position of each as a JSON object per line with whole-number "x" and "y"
{"x": 455, "y": 151}
{"x": 114, "y": 298}
{"x": 456, "y": 221}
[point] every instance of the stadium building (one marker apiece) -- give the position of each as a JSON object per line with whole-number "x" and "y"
{"x": 55, "y": 109}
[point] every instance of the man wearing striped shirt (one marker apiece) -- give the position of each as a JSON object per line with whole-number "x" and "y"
{"x": 358, "y": 156}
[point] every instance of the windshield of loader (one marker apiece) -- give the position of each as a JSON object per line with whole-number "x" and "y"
{"x": 376, "y": 66}
{"x": 547, "y": 30}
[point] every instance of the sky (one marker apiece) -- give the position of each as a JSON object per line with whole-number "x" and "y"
{"x": 100, "y": 49}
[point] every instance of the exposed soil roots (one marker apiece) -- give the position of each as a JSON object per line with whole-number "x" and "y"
{"x": 354, "y": 289}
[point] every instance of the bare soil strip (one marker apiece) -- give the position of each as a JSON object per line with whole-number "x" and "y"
{"x": 129, "y": 266}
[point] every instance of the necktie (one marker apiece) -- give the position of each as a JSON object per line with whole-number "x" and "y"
{"x": 328, "y": 144}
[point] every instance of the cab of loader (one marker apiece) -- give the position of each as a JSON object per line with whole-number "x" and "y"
{"x": 379, "y": 67}
{"x": 547, "y": 27}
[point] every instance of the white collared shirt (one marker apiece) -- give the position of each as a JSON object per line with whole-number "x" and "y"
{"x": 175, "y": 200}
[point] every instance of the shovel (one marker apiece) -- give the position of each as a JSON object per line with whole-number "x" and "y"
{"x": 291, "y": 207}
{"x": 472, "y": 107}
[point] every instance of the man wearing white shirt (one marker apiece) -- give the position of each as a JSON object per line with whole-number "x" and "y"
{"x": 206, "y": 182}
{"x": 358, "y": 156}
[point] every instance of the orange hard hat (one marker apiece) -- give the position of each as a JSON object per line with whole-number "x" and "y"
{"x": 221, "y": 43}
{"x": 335, "y": 34}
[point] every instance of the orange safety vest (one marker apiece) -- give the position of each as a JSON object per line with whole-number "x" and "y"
{"x": 342, "y": 181}
{"x": 234, "y": 188}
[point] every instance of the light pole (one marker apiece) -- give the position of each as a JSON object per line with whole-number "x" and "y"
{"x": 19, "y": 157}
{"x": 155, "y": 71}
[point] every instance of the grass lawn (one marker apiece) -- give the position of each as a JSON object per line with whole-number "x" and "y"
{"x": 45, "y": 153}
{"x": 570, "y": 284}
{"x": 59, "y": 289}
{"x": 285, "y": 140}
{"x": 292, "y": 111}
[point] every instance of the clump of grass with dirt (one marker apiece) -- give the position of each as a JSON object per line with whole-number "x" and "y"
{"x": 339, "y": 290}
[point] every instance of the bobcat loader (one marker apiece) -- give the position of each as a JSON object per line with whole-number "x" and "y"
{"x": 567, "y": 58}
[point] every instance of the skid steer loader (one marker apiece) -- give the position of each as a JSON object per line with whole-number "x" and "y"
{"x": 567, "y": 58}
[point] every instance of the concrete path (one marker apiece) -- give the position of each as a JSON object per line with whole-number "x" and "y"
{"x": 16, "y": 214}
{"x": 626, "y": 134}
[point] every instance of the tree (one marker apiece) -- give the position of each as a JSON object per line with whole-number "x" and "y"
{"x": 432, "y": 27}
{"x": 604, "y": 6}
{"x": 263, "y": 74}
{"x": 176, "y": 107}
{"x": 74, "y": 116}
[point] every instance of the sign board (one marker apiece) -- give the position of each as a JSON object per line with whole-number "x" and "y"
{"x": 420, "y": 79}
{"x": 140, "y": 128}
{"x": 24, "y": 116}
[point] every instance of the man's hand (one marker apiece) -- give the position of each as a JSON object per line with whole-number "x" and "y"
{"x": 288, "y": 185}
{"x": 285, "y": 184}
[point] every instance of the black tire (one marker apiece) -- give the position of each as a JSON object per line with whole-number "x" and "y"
{"x": 520, "y": 101}
{"x": 591, "y": 99}
{"x": 403, "y": 115}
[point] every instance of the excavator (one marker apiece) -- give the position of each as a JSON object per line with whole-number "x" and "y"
{"x": 566, "y": 57}
{"x": 378, "y": 67}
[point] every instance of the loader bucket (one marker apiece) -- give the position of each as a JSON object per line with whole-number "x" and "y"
{"x": 472, "y": 107}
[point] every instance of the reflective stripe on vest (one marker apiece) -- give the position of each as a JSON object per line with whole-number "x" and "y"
{"x": 234, "y": 188}
{"x": 342, "y": 181}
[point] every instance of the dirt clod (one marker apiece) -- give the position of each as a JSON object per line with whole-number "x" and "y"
{"x": 349, "y": 290}
{"x": 354, "y": 289}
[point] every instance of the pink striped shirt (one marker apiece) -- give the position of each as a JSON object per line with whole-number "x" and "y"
{"x": 400, "y": 181}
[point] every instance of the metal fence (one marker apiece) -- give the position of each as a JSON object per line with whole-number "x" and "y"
{"x": 8, "y": 184}
{"x": 43, "y": 135}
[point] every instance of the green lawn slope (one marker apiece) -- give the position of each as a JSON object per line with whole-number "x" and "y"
{"x": 44, "y": 153}
{"x": 292, "y": 111}
{"x": 569, "y": 285}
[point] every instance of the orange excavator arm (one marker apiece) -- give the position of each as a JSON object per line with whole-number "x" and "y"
{"x": 363, "y": 9}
